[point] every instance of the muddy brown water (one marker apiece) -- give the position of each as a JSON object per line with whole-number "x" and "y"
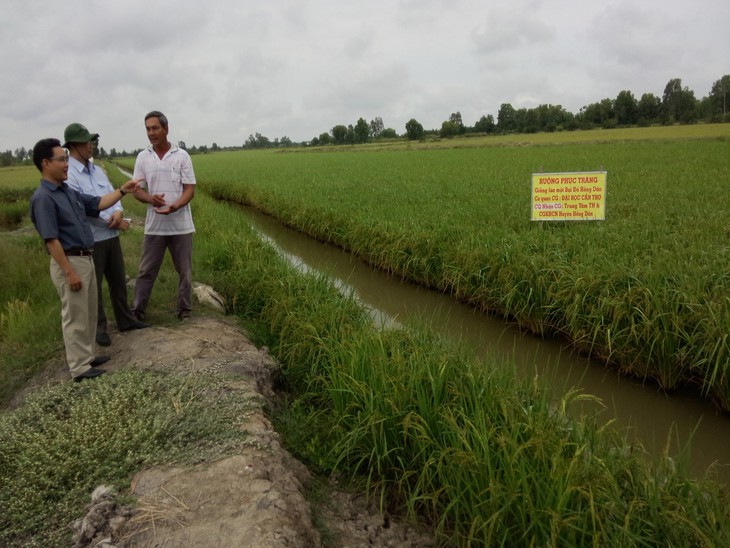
{"x": 639, "y": 409}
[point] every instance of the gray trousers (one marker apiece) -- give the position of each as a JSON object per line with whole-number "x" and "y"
{"x": 109, "y": 264}
{"x": 153, "y": 253}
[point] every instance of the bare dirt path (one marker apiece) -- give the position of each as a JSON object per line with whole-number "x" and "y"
{"x": 254, "y": 498}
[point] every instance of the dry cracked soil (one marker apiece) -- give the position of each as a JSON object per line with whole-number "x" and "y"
{"x": 253, "y": 498}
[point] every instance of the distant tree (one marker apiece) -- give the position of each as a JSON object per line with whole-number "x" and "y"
{"x": 325, "y": 139}
{"x": 257, "y": 141}
{"x": 285, "y": 142}
{"x": 6, "y": 159}
{"x": 608, "y": 113}
{"x": 21, "y": 154}
{"x": 678, "y": 103}
{"x": 720, "y": 96}
{"x": 388, "y": 133}
{"x": 214, "y": 147}
{"x": 597, "y": 114}
{"x": 626, "y": 108}
{"x": 376, "y": 127}
{"x": 590, "y": 115}
{"x": 688, "y": 107}
{"x": 449, "y": 129}
{"x": 705, "y": 110}
{"x": 672, "y": 98}
{"x": 350, "y": 135}
{"x": 414, "y": 130}
{"x": 455, "y": 118}
{"x": 339, "y": 134}
{"x": 649, "y": 109}
{"x": 506, "y": 120}
{"x": 362, "y": 131}
{"x": 485, "y": 124}
{"x": 530, "y": 121}
{"x": 550, "y": 117}
{"x": 520, "y": 119}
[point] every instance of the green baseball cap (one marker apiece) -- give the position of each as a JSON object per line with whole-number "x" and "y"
{"x": 77, "y": 133}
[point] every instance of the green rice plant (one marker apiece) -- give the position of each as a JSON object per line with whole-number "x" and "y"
{"x": 18, "y": 182}
{"x": 29, "y": 337}
{"x": 710, "y": 330}
{"x": 30, "y": 321}
{"x": 16, "y": 186}
{"x": 11, "y": 215}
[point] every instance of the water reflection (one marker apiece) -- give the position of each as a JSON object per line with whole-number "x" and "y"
{"x": 641, "y": 410}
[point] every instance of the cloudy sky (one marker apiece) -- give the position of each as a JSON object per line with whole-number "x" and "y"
{"x": 225, "y": 69}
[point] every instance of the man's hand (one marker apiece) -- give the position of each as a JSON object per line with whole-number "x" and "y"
{"x": 116, "y": 221}
{"x": 111, "y": 198}
{"x": 166, "y": 210}
{"x": 131, "y": 186}
{"x": 158, "y": 200}
{"x": 74, "y": 281}
{"x": 56, "y": 251}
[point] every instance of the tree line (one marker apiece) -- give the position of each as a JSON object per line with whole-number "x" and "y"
{"x": 677, "y": 104}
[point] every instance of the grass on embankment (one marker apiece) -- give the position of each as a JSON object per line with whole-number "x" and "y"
{"x": 483, "y": 457}
{"x": 69, "y": 438}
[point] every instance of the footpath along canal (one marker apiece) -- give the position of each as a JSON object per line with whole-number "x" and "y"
{"x": 640, "y": 409}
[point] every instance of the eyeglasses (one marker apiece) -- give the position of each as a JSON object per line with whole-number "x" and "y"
{"x": 63, "y": 158}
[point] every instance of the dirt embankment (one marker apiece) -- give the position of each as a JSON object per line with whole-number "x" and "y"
{"x": 254, "y": 498}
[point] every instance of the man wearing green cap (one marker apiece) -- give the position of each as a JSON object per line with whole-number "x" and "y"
{"x": 86, "y": 178}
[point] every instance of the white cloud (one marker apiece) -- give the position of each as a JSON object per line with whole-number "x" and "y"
{"x": 225, "y": 69}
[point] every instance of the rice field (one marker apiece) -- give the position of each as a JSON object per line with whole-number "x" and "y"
{"x": 483, "y": 458}
{"x": 15, "y": 193}
{"x": 647, "y": 290}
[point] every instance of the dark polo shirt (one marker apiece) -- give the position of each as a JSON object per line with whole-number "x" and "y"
{"x": 59, "y": 212}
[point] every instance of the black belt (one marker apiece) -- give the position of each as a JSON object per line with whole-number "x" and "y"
{"x": 79, "y": 252}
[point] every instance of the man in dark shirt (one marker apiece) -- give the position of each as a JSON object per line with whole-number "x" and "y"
{"x": 59, "y": 215}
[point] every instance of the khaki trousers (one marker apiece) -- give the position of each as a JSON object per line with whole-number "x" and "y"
{"x": 78, "y": 313}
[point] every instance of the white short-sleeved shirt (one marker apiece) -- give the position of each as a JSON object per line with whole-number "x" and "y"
{"x": 166, "y": 176}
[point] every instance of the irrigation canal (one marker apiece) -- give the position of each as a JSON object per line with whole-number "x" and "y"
{"x": 641, "y": 410}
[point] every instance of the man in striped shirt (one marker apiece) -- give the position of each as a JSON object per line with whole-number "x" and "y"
{"x": 167, "y": 183}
